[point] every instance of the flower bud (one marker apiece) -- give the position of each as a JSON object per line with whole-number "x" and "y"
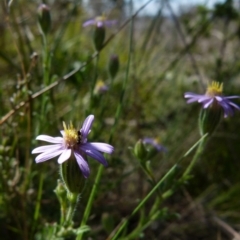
{"x": 60, "y": 190}
{"x": 113, "y": 66}
{"x": 153, "y": 146}
{"x": 71, "y": 176}
{"x": 140, "y": 150}
{"x": 98, "y": 37}
{"x": 152, "y": 152}
{"x": 44, "y": 18}
{"x": 209, "y": 118}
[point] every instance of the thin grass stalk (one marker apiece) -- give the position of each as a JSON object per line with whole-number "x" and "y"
{"x": 141, "y": 204}
{"x": 46, "y": 80}
{"x": 46, "y": 61}
{"x": 178, "y": 57}
{"x": 64, "y": 25}
{"x": 117, "y": 116}
{"x": 94, "y": 80}
{"x": 182, "y": 36}
{"x": 151, "y": 30}
{"x": 39, "y": 197}
{"x": 195, "y": 158}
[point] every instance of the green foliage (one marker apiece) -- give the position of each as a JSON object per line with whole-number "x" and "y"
{"x": 51, "y": 76}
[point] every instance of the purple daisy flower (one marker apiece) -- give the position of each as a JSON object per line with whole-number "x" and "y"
{"x": 100, "y": 21}
{"x": 155, "y": 143}
{"x": 100, "y": 87}
{"x": 213, "y": 97}
{"x": 73, "y": 143}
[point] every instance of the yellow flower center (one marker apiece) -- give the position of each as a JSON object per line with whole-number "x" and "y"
{"x": 156, "y": 140}
{"x": 101, "y": 18}
{"x": 71, "y": 135}
{"x": 215, "y": 89}
{"x": 99, "y": 86}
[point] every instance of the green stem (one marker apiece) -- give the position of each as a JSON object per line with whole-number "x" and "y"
{"x": 201, "y": 144}
{"x": 94, "y": 79}
{"x": 136, "y": 232}
{"x": 39, "y": 196}
{"x": 170, "y": 192}
{"x": 46, "y": 60}
{"x": 156, "y": 204}
{"x": 195, "y": 158}
{"x": 117, "y": 116}
{"x": 120, "y": 105}
{"x": 90, "y": 201}
{"x": 46, "y": 68}
{"x": 139, "y": 206}
{"x": 62, "y": 212}
{"x": 73, "y": 200}
{"x": 60, "y": 192}
{"x": 150, "y": 175}
{"x": 167, "y": 193}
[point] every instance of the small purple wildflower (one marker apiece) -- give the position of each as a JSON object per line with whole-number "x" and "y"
{"x": 74, "y": 143}
{"x": 100, "y": 21}
{"x": 155, "y": 143}
{"x": 100, "y": 87}
{"x": 213, "y": 97}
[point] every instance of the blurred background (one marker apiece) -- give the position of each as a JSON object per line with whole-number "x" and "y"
{"x": 165, "y": 48}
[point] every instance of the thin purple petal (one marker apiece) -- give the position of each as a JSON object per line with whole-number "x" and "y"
{"x": 82, "y": 164}
{"x": 102, "y": 147}
{"x": 47, "y": 155}
{"x": 219, "y": 98}
{"x": 228, "y": 111}
{"x": 87, "y": 126}
{"x": 228, "y": 106}
{"x": 50, "y": 139}
{"x": 47, "y": 148}
{"x": 89, "y": 22}
{"x": 226, "y": 101}
{"x": 109, "y": 23}
{"x": 234, "y": 105}
{"x": 205, "y": 99}
{"x": 193, "y": 97}
{"x": 190, "y": 95}
{"x": 64, "y": 156}
{"x": 93, "y": 153}
{"x": 100, "y": 24}
{"x": 206, "y": 104}
{"x": 232, "y": 97}
{"x": 190, "y": 100}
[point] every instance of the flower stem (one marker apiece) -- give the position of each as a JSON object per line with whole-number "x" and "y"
{"x": 155, "y": 188}
{"x": 169, "y": 193}
{"x": 117, "y": 115}
{"x": 94, "y": 79}
{"x": 39, "y": 196}
{"x": 90, "y": 201}
{"x": 46, "y": 68}
{"x": 46, "y": 60}
{"x": 139, "y": 206}
{"x": 73, "y": 200}
{"x": 195, "y": 158}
